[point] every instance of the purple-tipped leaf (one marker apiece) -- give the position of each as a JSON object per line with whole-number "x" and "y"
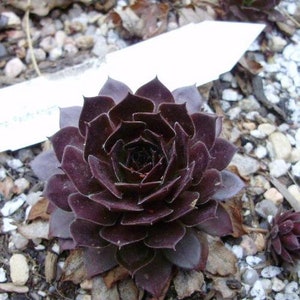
{"x": 60, "y": 222}
{"x": 165, "y": 235}
{"x": 64, "y": 137}
{"x": 190, "y": 253}
{"x": 191, "y": 96}
{"x": 86, "y": 233}
{"x": 155, "y": 91}
{"x": 99, "y": 260}
{"x": 115, "y": 89}
{"x": 78, "y": 171}
{"x": 231, "y": 185}
{"x": 134, "y": 256}
{"x": 155, "y": 276}
{"x": 120, "y": 235}
{"x": 91, "y": 211}
{"x": 58, "y": 189}
{"x": 221, "y": 153}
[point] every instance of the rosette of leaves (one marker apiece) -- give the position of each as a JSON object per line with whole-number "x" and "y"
{"x": 252, "y": 10}
{"x": 284, "y": 237}
{"x": 138, "y": 180}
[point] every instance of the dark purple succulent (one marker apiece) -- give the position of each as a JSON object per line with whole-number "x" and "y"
{"x": 284, "y": 237}
{"x": 137, "y": 179}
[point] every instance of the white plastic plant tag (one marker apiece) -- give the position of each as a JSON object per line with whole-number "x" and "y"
{"x": 192, "y": 54}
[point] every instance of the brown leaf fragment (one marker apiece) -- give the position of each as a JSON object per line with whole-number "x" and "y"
{"x": 74, "y": 269}
{"x": 117, "y": 274}
{"x": 129, "y": 291}
{"x": 191, "y": 14}
{"x": 50, "y": 266}
{"x": 234, "y": 208}
{"x": 186, "y": 283}
{"x": 101, "y": 291}
{"x": 251, "y": 65}
{"x": 39, "y": 211}
{"x": 35, "y": 230}
{"x": 6, "y": 187}
{"x": 221, "y": 261}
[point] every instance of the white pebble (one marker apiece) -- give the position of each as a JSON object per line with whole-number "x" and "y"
{"x": 2, "y": 275}
{"x": 277, "y": 284}
{"x": 278, "y": 167}
{"x": 291, "y": 287}
{"x": 13, "y": 205}
{"x": 14, "y": 68}
{"x": 258, "y": 134}
{"x": 55, "y": 53}
{"x": 238, "y": 251}
{"x": 270, "y": 271}
{"x": 253, "y": 261}
{"x": 8, "y": 225}
{"x": 296, "y": 169}
{"x": 260, "y": 152}
{"x": 14, "y": 163}
{"x": 258, "y": 291}
{"x": 250, "y": 276}
{"x": 19, "y": 269}
{"x": 286, "y": 296}
{"x": 230, "y": 95}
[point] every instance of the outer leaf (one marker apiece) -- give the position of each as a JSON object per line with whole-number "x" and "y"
{"x": 191, "y": 252}
{"x": 115, "y": 204}
{"x": 231, "y": 185}
{"x": 191, "y": 96}
{"x": 93, "y": 107}
{"x": 155, "y": 91}
{"x": 150, "y": 215}
{"x": 155, "y": 276}
{"x": 78, "y": 171}
{"x": 205, "y": 128}
{"x": 177, "y": 113}
{"x": 221, "y": 153}
{"x": 60, "y": 222}
{"x": 97, "y": 130}
{"x": 103, "y": 172}
{"x": 69, "y": 116}
{"x": 86, "y": 209}
{"x": 64, "y": 137}
{"x": 45, "y": 165}
{"x": 58, "y": 189}
{"x": 123, "y": 235}
{"x": 86, "y": 234}
{"x": 115, "y": 89}
{"x": 165, "y": 235}
{"x": 99, "y": 260}
{"x": 130, "y": 105}
{"x": 134, "y": 256}
{"x": 220, "y": 225}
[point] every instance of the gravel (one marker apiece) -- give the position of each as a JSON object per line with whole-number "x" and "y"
{"x": 269, "y": 145}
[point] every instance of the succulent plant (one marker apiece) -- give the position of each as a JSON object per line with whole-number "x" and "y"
{"x": 138, "y": 180}
{"x": 284, "y": 237}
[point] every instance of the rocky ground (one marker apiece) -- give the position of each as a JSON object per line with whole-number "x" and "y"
{"x": 259, "y": 100}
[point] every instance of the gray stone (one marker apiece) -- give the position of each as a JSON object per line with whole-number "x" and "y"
{"x": 14, "y": 68}
{"x": 246, "y": 165}
{"x": 3, "y": 51}
{"x": 250, "y": 276}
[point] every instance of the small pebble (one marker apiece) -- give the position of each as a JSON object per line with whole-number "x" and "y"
{"x": 14, "y": 163}
{"x": 296, "y": 169}
{"x": 230, "y": 95}
{"x": 266, "y": 208}
{"x": 245, "y": 164}
{"x": 280, "y": 145}
{"x": 3, "y": 277}
{"x": 286, "y": 296}
{"x": 278, "y": 167}
{"x": 19, "y": 269}
{"x": 258, "y": 291}
{"x": 291, "y": 287}
{"x": 253, "y": 261}
{"x": 295, "y": 191}
{"x": 13, "y": 205}
{"x": 274, "y": 195}
{"x": 260, "y": 152}
{"x": 266, "y": 128}
{"x": 238, "y": 251}
{"x": 8, "y": 225}
{"x": 277, "y": 284}
{"x": 250, "y": 276}
{"x": 270, "y": 271}
{"x": 14, "y": 68}
{"x": 84, "y": 42}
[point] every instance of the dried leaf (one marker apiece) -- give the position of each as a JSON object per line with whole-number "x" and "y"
{"x": 50, "y": 266}
{"x": 39, "y": 211}
{"x": 6, "y": 187}
{"x": 234, "y": 208}
{"x": 74, "y": 269}
{"x": 251, "y": 65}
{"x": 35, "y": 230}
{"x": 186, "y": 283}
{"x": 220, "y": 285}
{"x": 117, "y": 274}
{"x": 192, "y": 14}
{"x": 221, "y": 261}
